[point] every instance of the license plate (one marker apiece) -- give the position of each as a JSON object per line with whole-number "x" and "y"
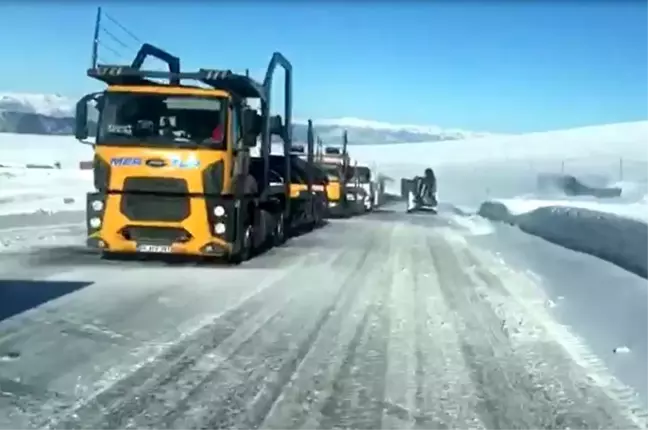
{"x": 158, "y": 249}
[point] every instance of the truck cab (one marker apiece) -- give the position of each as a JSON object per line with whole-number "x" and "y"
{"x": 171, "y": 160}
{"x": 362, "y": 178}
{"x": 334, "y": 166}
{"x": 345, "y": 198}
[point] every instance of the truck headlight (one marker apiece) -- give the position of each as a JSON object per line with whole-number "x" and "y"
{"x": 219, "y": 211}
{"x": 219, "y": 228}
{"x": 97, "y": 205}
{"x": 95, "y": 222}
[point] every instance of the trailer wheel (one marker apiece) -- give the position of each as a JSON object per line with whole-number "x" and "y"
{"x": 245, "y": 252}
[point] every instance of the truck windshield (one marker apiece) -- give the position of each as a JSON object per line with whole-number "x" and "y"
{"x": 162, "y": 120}
{"x": 362, "y": 174}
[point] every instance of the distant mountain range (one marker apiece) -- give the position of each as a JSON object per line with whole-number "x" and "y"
{"x": 53, "y": 114}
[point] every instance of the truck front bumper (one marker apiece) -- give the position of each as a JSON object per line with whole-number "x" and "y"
{"x": 208, "y": 230}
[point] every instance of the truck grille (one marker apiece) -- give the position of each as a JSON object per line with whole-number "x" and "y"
{"x": 155, "y": 234}
{"x": 155, "y": 199}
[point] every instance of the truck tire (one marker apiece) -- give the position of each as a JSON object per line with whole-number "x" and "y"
{"x": 246, "y": 250}
{"x": 247, "y": 247}
{"x": 319, "y": 215}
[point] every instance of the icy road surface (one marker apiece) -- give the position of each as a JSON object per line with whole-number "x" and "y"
{"x": 384, "y": 321}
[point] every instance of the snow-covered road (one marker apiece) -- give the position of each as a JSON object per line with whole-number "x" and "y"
{"x": 384, "y": 321}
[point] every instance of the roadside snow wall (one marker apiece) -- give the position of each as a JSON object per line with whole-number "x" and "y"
{"x": 621, "y": 241}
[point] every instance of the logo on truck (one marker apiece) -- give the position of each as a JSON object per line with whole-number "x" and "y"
{"x": 156, "y": 162}
{"x": 172, "y": 160}
{"x": 190, "y": 162}
{"x": 125, "y": 161}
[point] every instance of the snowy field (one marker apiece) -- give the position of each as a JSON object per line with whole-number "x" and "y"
{"x": 472, "y": 171}
{"x": 469, "y": 171}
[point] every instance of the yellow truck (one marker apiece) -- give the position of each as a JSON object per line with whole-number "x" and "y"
{"x": 172, "y": 162}
{"x": 345, "y": 197}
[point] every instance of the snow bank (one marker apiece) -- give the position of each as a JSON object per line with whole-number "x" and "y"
{"x": 612, "y": 237}
{"x": 637, "y": 210}
{"x": 24, "y": 191}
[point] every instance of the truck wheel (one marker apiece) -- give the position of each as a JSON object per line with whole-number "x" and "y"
{"x": 319, "y": 216}
{"x": 245, "y": 252}
{"x": 279, "y": 235}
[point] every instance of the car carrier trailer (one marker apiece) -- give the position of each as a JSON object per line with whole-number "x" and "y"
{"x": 307, "y": 197}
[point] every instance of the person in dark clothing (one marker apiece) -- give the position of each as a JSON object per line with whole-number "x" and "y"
{"x": 430, "y": 180}
{"x": 427, "y": 188}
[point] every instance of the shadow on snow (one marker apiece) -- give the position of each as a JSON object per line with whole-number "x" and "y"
{"x": 17, "y": 295}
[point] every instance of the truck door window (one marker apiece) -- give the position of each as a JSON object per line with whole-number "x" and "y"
{"x": 236, "y": 126}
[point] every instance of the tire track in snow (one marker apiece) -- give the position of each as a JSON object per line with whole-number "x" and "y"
{"x": 392, "y": 362}
{"x": 427, "y": 382}
{"x": 302, "y": 401}
{"x": 357, "y": 396}
{"x": 277, "y": 353}
{"x": 445, "y": 395}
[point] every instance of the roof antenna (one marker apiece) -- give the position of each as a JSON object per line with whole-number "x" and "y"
{"x": 95, "y": 39}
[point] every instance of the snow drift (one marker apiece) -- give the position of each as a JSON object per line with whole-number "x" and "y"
{"x": 618, "y": 239}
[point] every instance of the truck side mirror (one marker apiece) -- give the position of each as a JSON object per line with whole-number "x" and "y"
{"x": 276, "y": 126}
{"x": 251, "y": 127}
{"x": 81, "y": 131}
{"x": 81, "y": 119}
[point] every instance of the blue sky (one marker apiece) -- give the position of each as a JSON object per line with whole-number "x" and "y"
{"x": 493, "y": 66}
